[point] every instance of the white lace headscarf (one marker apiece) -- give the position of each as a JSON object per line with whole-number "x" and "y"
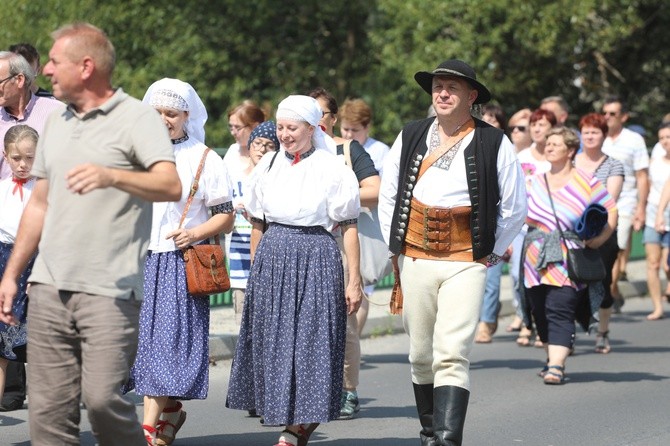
{"x": 307, "y": 109}
{"x": 179, "y": 95}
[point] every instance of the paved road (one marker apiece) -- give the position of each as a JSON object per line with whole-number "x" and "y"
{"x": 618, "y": 399}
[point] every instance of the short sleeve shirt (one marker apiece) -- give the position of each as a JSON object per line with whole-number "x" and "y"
{"x": 35, "y": 115}
{"x": 629, "y": 148}
{"x": 96, "y": 242}
{"x": 361, "y": 161}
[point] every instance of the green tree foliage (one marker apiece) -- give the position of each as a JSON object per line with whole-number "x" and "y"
{"x": 263, "y": 50}
{"x": 526, "y": 50}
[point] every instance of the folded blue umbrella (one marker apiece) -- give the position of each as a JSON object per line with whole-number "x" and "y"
{"x": 592, "y": 221}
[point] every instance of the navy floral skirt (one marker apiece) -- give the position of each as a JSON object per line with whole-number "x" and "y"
{"x": 13, "y": 338}
{"x": 173, "y": 348}
{"x": 289, "y": 358}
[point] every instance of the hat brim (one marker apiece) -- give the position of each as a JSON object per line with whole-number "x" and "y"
{"x": 425, "y": 80}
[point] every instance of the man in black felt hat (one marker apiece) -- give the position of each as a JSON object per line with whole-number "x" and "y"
{"x": 452, "y": 199}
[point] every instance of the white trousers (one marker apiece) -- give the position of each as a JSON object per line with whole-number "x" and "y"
{"x": 442, "y": 302}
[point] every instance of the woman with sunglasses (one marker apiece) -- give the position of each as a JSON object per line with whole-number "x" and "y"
{"x": 518, "y": 128}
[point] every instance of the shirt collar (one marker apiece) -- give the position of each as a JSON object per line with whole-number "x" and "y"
{"x": 26, "y": 112}
{"x": 104, "y": 108}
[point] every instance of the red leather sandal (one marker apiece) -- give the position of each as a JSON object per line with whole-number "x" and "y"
{"x": 150, "y": 434}
{"x": 171, "y": 421}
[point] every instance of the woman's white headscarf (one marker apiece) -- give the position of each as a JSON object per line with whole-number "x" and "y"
{"x": 307, "y": 109}
{"x": 179, "y": 95}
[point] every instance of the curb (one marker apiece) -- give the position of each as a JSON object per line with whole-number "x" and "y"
{"x": 222, "y": 347}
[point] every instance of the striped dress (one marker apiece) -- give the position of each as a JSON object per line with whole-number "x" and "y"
{"x": 570, "y": 202}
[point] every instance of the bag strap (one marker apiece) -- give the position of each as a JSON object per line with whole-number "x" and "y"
{"x": 436, "y": 154}
{"x": 194, "y": 189}
{"x": 272, "y": 161}
{"x": 558, "y": 224}
{"x": 553, "y": 209}
{"x": 346, "y": 148}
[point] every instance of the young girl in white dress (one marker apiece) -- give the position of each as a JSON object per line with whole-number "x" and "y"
{"x": 20, "y": 144}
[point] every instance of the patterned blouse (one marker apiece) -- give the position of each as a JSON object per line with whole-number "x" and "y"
{"x": 570, "y": 202}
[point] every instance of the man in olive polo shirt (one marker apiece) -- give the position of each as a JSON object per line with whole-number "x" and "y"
{"x": 99, "y": 166}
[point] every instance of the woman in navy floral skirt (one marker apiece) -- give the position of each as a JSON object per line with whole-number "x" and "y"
{"x": 172, "y": 360}
{"x": 289, "y": 358}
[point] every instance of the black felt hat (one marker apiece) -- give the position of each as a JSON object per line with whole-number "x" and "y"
{"x": 456, "y": 68}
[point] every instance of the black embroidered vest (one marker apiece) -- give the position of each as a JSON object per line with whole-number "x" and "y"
{"x": 481, "y": 157}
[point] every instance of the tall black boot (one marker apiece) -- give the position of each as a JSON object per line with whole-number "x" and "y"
{"x": 450, "y": 406}
{"x": 423, "y": 394}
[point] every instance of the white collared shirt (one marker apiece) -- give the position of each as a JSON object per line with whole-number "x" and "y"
{"x": 448, "y": 188}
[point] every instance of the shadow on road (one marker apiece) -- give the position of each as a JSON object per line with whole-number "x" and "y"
{"x": 369, "y": 360}
{"x": 264, "y": 439}
{"x": 383, "y": 412}
{"x": 614, "y": 377}
{"x": 9, "y": 421}
{"x": 514, "y": 364}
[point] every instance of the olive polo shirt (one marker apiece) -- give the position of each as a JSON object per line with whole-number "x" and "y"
{"x": 96, "y": 243}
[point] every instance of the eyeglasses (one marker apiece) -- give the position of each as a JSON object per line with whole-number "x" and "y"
{"x": 266, "y": 146}
{"x": 610, "y": 113}
{"x": 236, "y": 128}
{"x": 8, "y": 78}
{"x": 326, "y": 113}
{"x": 521, "y": 128}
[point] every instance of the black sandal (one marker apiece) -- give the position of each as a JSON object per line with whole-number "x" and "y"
{"x": 553, "y": 378}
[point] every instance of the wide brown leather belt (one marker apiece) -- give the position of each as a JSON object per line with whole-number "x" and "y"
{"x": 438, "y": 233}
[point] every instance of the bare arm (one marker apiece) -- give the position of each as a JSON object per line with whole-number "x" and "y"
{"x": 614, "y": 186}
{"x": 354, "y": 288}
{"x": 159, "y": 183}
{"x": 642, "y": 178}
{"x": 27, "y": 239}
{"x": 256, "y": 235}
{"x": 369, "y": 191}
{"x": 662, "y": 206}
{"x": 606, "y": 233}
{"x": 217, "y": 224}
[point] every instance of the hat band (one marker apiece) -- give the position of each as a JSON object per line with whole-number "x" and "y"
{"x": 439, "y": 71}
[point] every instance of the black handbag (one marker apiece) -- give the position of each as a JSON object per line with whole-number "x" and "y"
{"x": 584, "y": 265}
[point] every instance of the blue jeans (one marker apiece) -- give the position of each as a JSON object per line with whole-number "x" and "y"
{"x": 491, "y": 304}
{"x": 514, "y": 265}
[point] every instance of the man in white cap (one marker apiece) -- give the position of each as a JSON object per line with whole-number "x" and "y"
{"x": 452, "y": 199}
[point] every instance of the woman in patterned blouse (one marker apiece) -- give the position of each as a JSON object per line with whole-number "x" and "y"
{"x": 552, "y": 294}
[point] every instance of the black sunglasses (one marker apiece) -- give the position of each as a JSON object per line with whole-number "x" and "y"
{"x": 521, "y": 128}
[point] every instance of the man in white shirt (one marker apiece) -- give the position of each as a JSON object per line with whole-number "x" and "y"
{"x": 628, "y": 147}
{"x": 442, "y": 228}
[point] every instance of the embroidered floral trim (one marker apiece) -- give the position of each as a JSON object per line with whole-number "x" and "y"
{"x": 351, "y": 221}
{"x": 180, "y": 140}
{"x": 223, "y": 208}
{"x": 493, "y": 259}
{"x": 445, "y": 160}
{"x": 302, "y": 155}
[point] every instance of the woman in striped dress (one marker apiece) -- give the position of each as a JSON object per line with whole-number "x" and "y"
{"x": 552, "y": 295}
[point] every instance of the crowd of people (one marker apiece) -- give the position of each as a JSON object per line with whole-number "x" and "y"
{"x": 102, "y": 193}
